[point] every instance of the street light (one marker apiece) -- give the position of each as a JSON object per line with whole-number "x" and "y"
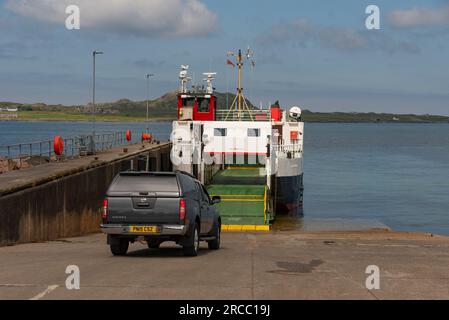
{"x": 148, "y": 98}
{"x": 94, "y": 54}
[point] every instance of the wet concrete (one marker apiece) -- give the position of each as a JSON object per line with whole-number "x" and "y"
{"x": 296, "y": 267}
{"x": 301, "y": 223}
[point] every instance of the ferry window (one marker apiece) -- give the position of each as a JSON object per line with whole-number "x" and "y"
{"x": 188, "y": 102}
{"x": 253, "y": 132}
{"x": 203, "y": 105}
{"x": 220, "y": 132}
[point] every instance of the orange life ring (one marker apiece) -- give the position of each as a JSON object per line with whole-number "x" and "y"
{"x": 146, "y": 136}
{"x": 128, "y": 135}
{"x": 58, "y": 145}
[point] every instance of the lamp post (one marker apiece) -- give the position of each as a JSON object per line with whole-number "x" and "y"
{"x": 94, "y": 54}
{"x": 148, "y": 98}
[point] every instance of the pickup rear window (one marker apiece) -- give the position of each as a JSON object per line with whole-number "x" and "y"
{"x": 145, "y": 183}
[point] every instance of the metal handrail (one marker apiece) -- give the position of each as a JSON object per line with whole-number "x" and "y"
{"x": 253, "y": 115}
{"x": 287, "y": 147}
{"x": 287, "y": 150}
{"x": 43, "y": 150}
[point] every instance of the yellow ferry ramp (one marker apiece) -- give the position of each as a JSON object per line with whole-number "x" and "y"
{"x": 243, "y": 195}
{"x": 248, "y": 168}
{"x": 244, "y": 227}
{"x": 241, "y": 200}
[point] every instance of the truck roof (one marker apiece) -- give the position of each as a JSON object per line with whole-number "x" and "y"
{"x": 135, "y": 182}
{"x": 146, "y": 173}
{"x": 151, "y": 173}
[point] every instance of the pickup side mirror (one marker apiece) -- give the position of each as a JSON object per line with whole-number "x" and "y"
{"x": 216, "y": 199}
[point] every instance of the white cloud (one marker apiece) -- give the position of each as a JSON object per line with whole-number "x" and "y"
{"x": 147, "y": 18}
{"x": 420, "y": 17}
{"x": 301, "y": 32}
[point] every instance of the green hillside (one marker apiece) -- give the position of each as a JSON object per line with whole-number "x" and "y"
{"x": 165, "y": 107}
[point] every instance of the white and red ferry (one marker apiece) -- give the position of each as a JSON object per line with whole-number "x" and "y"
{"x": 252, "y": 158}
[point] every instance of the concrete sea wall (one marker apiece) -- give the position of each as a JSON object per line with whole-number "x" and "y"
{"x": 66, "y": 206}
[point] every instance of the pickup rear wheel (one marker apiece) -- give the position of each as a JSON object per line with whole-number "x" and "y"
{"x": 121, "y": 248}
{"x": 192, "y": 248}
{"x": 215, "y": 244}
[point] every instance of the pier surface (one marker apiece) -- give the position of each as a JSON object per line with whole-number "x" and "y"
{"x": 272, "y": 265}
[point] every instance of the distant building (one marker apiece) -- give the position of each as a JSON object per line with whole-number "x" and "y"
{"x": 7, "y": 113}
{"x": 9, "y": 109}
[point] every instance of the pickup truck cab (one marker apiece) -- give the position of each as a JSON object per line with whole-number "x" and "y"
{"x": 160, "y": 207}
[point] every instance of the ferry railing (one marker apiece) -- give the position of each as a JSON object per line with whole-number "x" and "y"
{"x": 244, "y": 115}
{"x": 288, "y": 149}
{"x": 39, "y": 152}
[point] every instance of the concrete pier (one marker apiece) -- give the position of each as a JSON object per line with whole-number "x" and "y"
{"x": 64, "y": 199}
{"x": 273, "y": 265}
{"x": 50, "y": 215}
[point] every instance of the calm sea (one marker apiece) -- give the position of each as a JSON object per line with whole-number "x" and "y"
{"x": 12, "y": 132}
{"x": 394, "y": 174}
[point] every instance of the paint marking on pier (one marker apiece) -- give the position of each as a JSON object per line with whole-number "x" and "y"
{"x": 44, "y": 293}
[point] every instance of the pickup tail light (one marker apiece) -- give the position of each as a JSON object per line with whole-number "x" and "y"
{"x": 182, "y": 209}
{"x": 105, "y": 209}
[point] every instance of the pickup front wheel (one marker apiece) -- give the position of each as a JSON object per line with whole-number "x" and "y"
{"x": 191, "y": 249}
{"x": 120, "y": 249}
{"x": 215, "y": 244}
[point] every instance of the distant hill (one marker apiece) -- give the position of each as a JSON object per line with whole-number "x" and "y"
{"x": 309, "y": 116}
{"x": 165, "y": 107}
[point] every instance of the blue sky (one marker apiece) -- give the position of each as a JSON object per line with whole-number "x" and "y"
{"x": 316, "y": 54}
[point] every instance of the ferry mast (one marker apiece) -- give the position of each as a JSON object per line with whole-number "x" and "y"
{"x": 240, "y": 104}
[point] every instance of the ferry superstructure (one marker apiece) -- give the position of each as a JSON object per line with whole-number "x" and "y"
{"x": 252, "y": 158}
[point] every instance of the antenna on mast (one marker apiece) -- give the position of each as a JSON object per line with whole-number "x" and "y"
{"x": 209, "y": 78}
{"x": 184, "y": 78}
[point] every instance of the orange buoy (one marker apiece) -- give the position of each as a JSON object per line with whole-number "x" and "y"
{"x": 58, "y": 145}
{"x": 128, "y": 135}
{"x": 146, "y": 137}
